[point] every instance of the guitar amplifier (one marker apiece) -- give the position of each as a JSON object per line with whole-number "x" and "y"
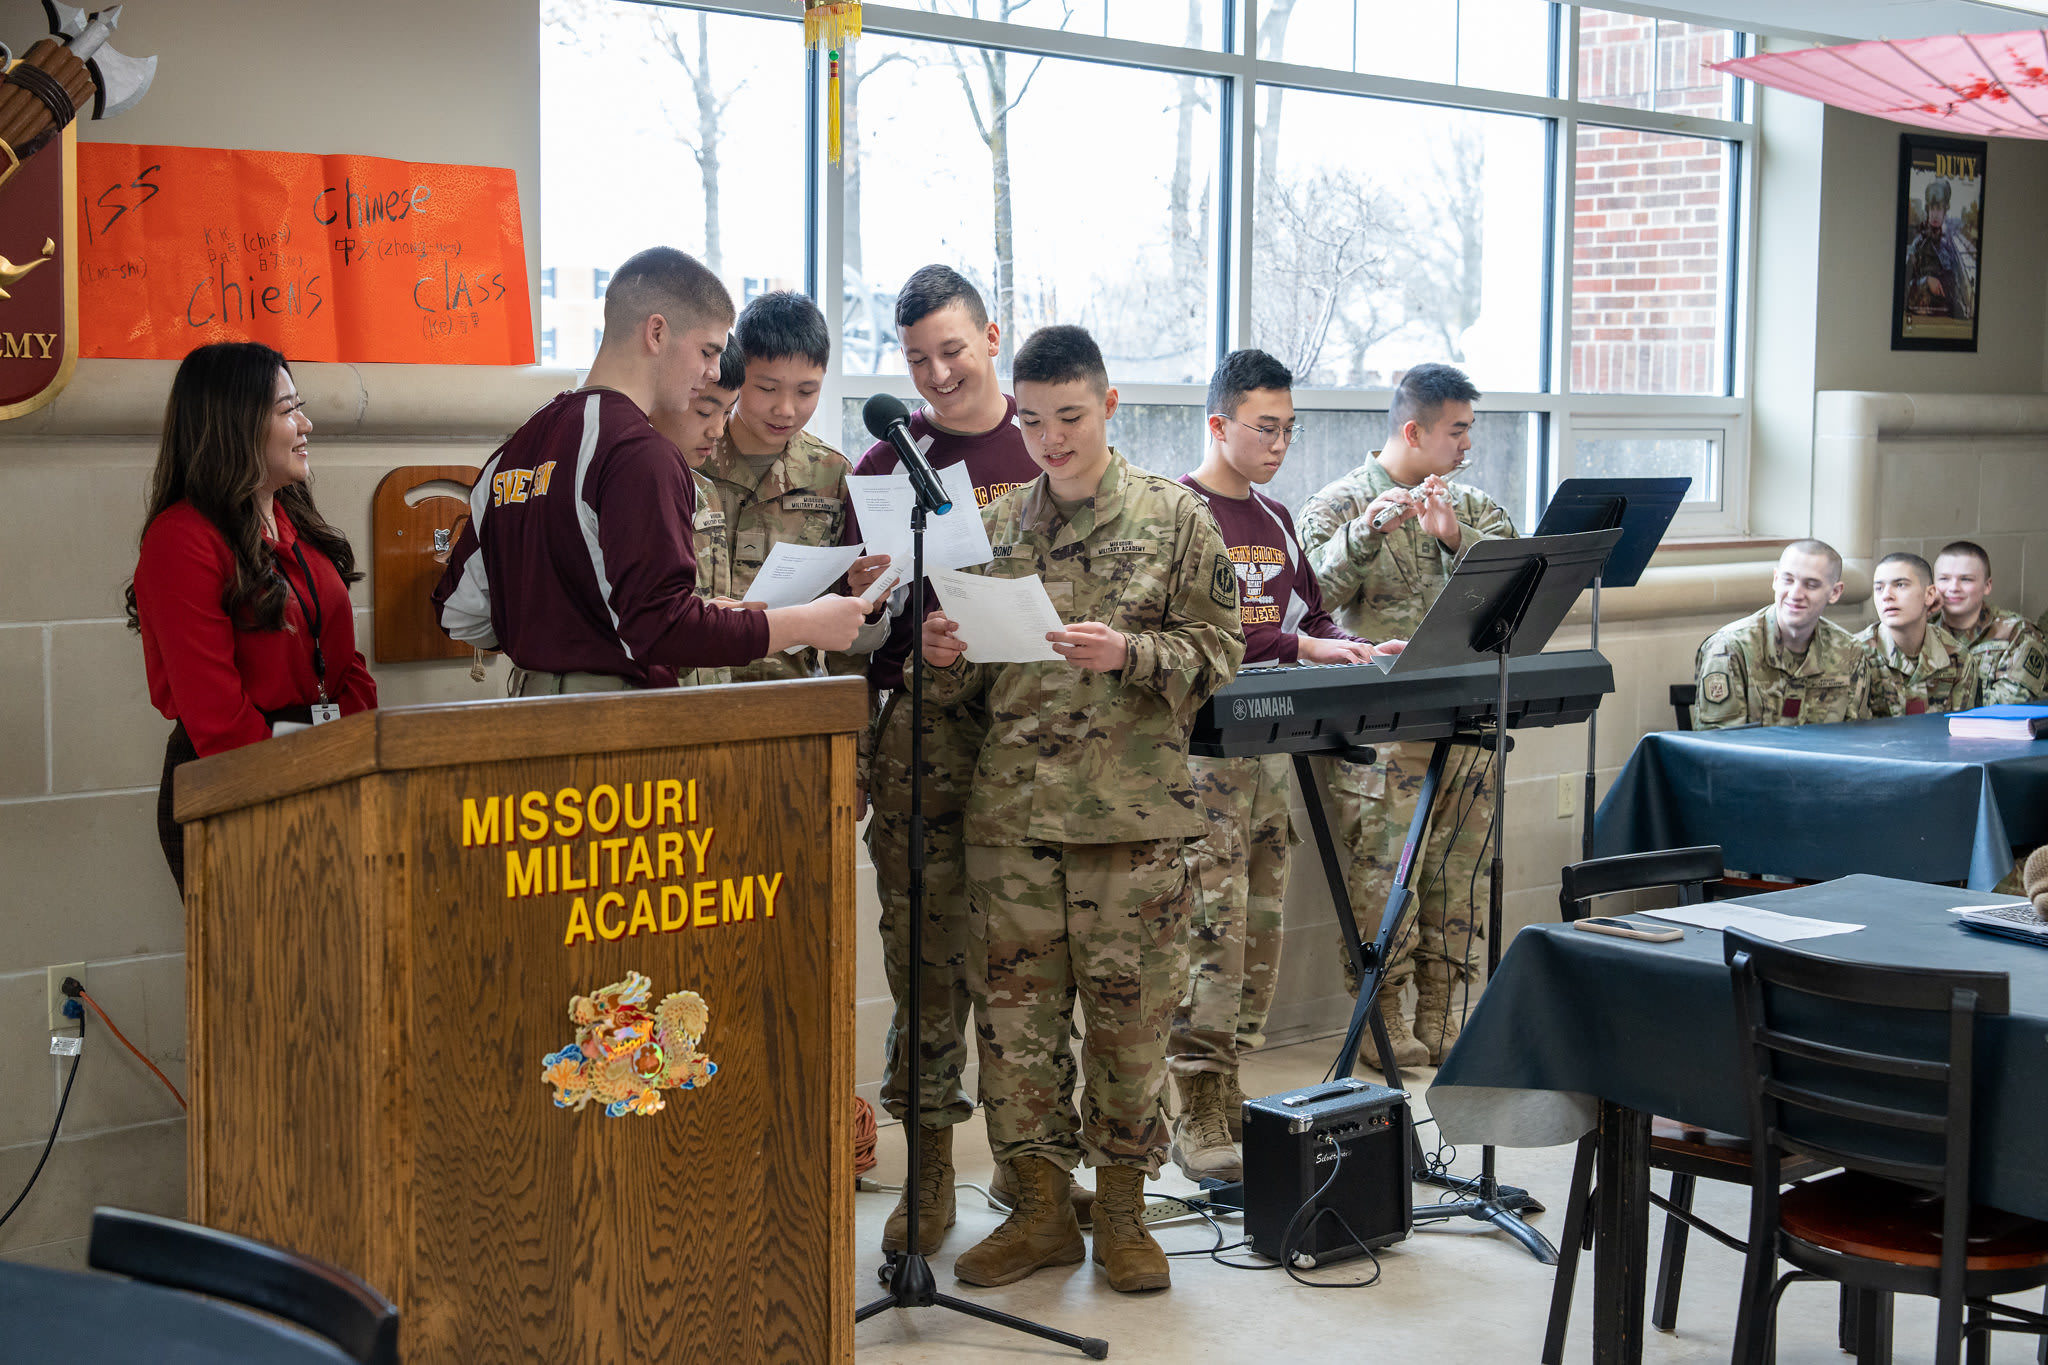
{"x": 1292, "y": 1141}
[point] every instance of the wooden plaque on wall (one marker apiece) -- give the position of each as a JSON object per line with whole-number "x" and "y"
{"x": 413, "y": 517}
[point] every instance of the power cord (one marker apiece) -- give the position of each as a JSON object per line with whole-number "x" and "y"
{"x": 80, "y": 994}
{"x": 71, "y": 1079}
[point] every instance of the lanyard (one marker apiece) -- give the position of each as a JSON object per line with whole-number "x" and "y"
{"x": 311, "y": 610}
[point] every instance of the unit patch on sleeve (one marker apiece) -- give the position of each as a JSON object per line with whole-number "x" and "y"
{"x": 1223, "y": 582}
{"x": 1715, "y": 687}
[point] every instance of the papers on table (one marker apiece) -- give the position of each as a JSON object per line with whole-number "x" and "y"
{"x": 955, "y": 539}
{"x": 795, "y": 574}
{"x": 1767, "y": 924}
{"x": 1001, "y": 620}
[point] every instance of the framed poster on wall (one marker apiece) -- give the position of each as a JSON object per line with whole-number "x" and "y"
{"x": 1935, "y": 285}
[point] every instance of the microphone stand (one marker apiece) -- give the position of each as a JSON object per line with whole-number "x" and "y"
{"x": 907, "y": 1273}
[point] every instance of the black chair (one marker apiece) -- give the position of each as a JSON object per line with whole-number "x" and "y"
{"x": 1683, "y": 698}
{"x": 1689, "y": 1153}
{"x": 1870, "y": 1068}
{"x": 321, "y": 1298}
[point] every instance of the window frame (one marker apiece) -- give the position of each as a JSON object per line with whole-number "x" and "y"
{"x": 1233, "y": 63}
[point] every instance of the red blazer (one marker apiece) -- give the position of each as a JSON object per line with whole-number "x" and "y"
{"x": 219, "y": 680}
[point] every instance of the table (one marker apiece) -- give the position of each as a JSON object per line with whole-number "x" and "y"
{"x": 1897, "y": 798}
{"x": 70, "y": 1315}
{"x": 1579, "y": 1031}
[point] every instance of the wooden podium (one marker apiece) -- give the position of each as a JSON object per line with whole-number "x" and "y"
{"x": 387, "y": 920}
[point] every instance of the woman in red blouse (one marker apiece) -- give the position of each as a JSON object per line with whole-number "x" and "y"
{"x": 241, "y": 592}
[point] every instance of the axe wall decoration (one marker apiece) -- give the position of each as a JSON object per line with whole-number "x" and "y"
{"x": 57, "y": 78}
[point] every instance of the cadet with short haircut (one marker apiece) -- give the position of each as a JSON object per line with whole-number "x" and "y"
{"x": 949, "y": 346}
{"x": 696, "y": 430}
{"x": 775, "y": 480}
{"x": 1786, "y": 664}
{"x": 1380, "y": 582}
{"x": 1240, "y": 865}
{"x": 2011, "y": 654}
{"x": 1081, "y": 804}
{"x": 1917, "y": 666}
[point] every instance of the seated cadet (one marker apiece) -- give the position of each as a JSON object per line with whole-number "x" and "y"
{"x": 2012, "y": 656}
{"x": 696, "y": 430}
{"x": 1077, "y": 890}
{"x": 1786, "y": 664}
{"x": 775, "y": 480}
{"x": 1917, "y": 665}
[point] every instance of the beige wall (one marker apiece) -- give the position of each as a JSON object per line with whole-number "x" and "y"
{"x": 80, "y": 749}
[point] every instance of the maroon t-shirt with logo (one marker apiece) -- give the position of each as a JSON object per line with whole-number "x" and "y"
{"x": 1278, "y": 598}
{"x": 998, "y": 462}
{"x": 579, "y": 553}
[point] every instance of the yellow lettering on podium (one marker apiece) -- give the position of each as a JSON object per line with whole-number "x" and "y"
{"x": 681, "y": 918}
{"x": 638, "y": 863}
{"x": 579, "y": 924}
{"x": 643, "y": 913}
{"x": 668, "y": 801}
{"x": 522, "y": 877}
{"x": 605, "y": 926}
{"x": 700, "y": 847}
{"x": 736, "y": 904}
{"x": 702, "y": 896}
{"x": 479, "y": 822}
{"x": 670, "y": 853}
{"x": 768, "y": 890}
{"x": 568, "y": 812}
{"x": 533, "y": 816}
{"x": 646, "y": 806}
{"x": 611, "y": 800}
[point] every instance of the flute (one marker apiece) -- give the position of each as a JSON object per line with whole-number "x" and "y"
{"x": 1379, "y": 523}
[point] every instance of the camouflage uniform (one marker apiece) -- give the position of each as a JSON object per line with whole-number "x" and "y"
{"x": 1942, "y": 678}
{"x": 801, "y": 497}
{"x": 952, "y": 740}
{"x": 1379, "y": 587}
{"x": 1746, "y": 677}
{"x": 2012, "y": 656}
{"x": 1081, "y": 803}
{"x": 714, "y": 569}
{"x": 1239, "y": 871}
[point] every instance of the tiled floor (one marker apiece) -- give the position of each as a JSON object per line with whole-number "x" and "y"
{"x": 1457, "y": 1294}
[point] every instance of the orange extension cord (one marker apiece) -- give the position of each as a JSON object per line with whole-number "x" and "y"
{"x": 115, "y": 1030}
{"x": 864, "y": 1136}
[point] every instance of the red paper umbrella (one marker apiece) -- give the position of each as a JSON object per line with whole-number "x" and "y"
{"x": 1993, "y": 85}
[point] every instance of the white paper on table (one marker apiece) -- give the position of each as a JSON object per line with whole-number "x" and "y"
{"x": 955, "y": 539}
{"x": 795, "y": 574}
{"x": 1001, "y": 620}
{"x": 1767, "y": 924}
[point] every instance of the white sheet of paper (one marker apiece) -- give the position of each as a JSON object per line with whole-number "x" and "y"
{"x": 1002, "y": 620}
{"x": 1759, "y": 923}
{"x": 956, "y": 539}
{"x": 795, "y": 574}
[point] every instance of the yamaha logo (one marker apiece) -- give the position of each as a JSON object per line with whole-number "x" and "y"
{"x": 1262, "y": 708}
{"x": 1240, "y": 709}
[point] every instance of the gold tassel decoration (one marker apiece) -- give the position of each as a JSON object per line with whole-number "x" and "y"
{"x": 831, "y": 26}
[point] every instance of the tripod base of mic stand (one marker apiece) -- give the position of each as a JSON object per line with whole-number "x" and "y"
{"x": 1514, "y": 1196}
{"x": 912, "y": 1286}
{"x": 1497, "y": 1204}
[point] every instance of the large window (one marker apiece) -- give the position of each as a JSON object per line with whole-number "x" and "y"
{"x": 1553, "y": 197}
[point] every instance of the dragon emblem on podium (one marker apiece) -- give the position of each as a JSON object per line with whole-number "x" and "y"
{"x": 625, "y": 1053}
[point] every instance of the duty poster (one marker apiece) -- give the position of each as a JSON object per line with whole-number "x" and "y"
{"x": 1935, "y": 286}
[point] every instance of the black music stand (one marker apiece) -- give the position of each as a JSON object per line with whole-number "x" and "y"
{"x": 1643, "y": 509}
{"x": 1505, "y": 598}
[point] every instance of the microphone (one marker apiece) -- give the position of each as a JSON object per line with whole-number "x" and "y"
{"x": 888, "y": 420}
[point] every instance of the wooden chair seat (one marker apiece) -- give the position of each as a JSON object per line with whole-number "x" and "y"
{"x": 1881, "y": 1220}
{"x": 1690, "y": 1149}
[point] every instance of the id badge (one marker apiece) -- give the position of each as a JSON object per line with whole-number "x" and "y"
{"x": 325, "y": 711}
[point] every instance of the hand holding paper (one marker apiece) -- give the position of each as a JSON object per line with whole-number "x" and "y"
{"x": 795, "y": 574}
{"x": 1000, "y": 620}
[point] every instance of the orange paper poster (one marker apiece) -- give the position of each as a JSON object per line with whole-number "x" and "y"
{"x": 349, "y": 258}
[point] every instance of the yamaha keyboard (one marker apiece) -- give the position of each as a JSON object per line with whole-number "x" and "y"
{"x": 1314, "y": 708}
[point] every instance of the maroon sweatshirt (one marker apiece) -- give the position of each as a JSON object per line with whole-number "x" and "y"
{"x": 578, "y": 554}
{"x": 1278, "y": 598}
{"x": 998, "y": 462}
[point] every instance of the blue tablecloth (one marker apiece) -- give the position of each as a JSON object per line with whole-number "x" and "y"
{"x": 1897, "y": 798}
{"x": 1572, "y": 1018}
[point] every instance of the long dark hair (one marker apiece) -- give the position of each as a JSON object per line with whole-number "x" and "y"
{"x": 211, "y": 456}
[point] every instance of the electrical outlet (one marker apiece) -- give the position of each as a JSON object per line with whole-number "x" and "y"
{"x": 1568, "y": 794}
{"x": 56, "y": 977}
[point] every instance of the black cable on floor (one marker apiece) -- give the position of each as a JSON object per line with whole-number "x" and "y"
{"x": 68, "y": 1081}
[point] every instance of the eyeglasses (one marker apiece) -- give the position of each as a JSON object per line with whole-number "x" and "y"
{"x": 1285, "y": 436}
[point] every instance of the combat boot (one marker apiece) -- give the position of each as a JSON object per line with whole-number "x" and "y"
{"x": 1408, "y": 1049}
{"x": 1002, "y": 1192}
{"x": 1040, "y": 1230}
{"x": 1123, "y": 1244}
{"x": 1439, "y": 1007}
{"x": 1201, "y": 1135}
{"x": 935, "y": 1210}
{"x": 1233, "y": 1106}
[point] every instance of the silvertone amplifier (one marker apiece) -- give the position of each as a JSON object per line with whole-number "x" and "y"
{"x": 1294, "y": 1142}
